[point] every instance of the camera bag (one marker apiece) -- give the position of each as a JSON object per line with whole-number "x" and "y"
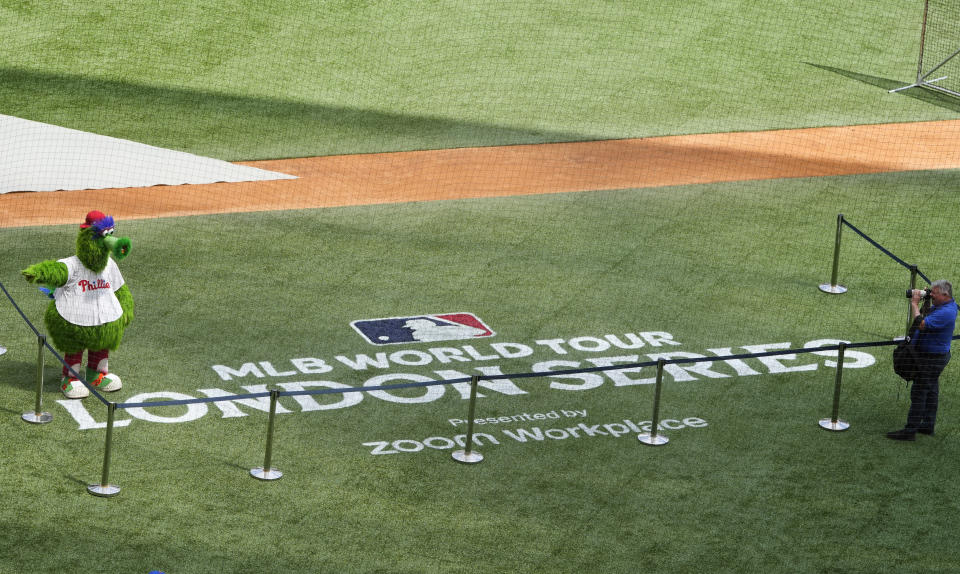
{"x": 905, "y": 359}
{"x": 905, "y": 353}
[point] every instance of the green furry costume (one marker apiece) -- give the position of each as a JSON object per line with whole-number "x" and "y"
{"x": 86, "y": 301}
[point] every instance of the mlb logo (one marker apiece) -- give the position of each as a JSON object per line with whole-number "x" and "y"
{"x": 422, "y": 328}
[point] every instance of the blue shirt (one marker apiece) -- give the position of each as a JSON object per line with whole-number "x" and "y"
{"x": 938, "y": 328}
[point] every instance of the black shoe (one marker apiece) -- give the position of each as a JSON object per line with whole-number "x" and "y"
{"x": 925, "y": 431}
{"x": 902, "y": 434}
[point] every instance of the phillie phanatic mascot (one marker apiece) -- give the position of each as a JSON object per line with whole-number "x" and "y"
{"x": 91, "y": 304}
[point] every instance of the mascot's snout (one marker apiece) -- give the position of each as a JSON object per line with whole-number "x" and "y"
{"x": 102, "y": 228}
{"x": 119, "y": 246}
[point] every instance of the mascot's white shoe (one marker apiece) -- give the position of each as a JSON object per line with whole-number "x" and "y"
{"x": 73, "y": 388}
{"x": 105, "y": 382}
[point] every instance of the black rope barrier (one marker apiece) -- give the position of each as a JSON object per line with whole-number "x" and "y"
{"x": 883, "y": 249}
{"x": 17, "y": 307}
{"x": 400, "y": 386}
{"x": 530, "y": 375}
{"x": 105, "y": 489}
{"x": 49, "y": 347}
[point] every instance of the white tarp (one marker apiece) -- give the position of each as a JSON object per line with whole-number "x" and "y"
{"x": 41, "y": 157}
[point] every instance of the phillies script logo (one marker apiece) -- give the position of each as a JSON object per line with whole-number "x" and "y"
{"x": 88, "y": 286}
{"x": 422, "y": 328}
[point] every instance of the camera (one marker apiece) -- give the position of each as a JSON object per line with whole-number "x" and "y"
{"x": 925, "y": 293}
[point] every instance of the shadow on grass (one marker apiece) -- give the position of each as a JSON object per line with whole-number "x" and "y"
{"x": 931, "y": 97}
{"x": 23, "y": 374}
{"x": 240, "y": 127}
{"x": 72, "y": 478}
{"x": 14, "y": 411}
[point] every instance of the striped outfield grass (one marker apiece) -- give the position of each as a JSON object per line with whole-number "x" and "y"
{"x": 300, "y": 79}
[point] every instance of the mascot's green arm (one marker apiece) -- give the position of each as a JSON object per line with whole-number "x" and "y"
{"x": 126, "y": 303}
{"x": 50, "y": 273}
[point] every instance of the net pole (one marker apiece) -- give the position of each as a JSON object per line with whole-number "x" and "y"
{"x": 468, "y": 455}
{"x": 38, "y": 416}
{"x": 834, "y": 423}
{"x": 266, "y": 472}
{"x": 105, "y": 489}
{"x": 652, "y": 438}
{"x": 923, "y": 36}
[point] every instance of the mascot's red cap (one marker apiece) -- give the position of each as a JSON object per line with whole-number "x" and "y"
{"x": 92, "y": 217}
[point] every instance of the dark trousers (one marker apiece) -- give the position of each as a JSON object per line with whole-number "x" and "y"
{"x": 925, "y": 391}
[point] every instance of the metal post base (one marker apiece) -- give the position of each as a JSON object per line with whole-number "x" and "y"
{"x": 834, "y": 425}
{"x": 37, "y": 418}
{"x": 104, "y": 490}
{"x": 836, "y": 289}
{"x": 924, "y": 82}
{"x": 895, "y": 90}
{"x": 467, "y": 457}
{"x": 261, "y": 474}
{"x": 652, "y": 440}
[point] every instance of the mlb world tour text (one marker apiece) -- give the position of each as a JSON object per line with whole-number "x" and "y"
{"x": 450, "y": 362}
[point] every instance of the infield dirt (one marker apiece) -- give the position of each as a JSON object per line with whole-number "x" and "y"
{"x": 519, "y": 170}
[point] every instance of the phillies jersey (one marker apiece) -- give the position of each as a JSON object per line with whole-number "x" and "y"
{"x": 87, "y": 299}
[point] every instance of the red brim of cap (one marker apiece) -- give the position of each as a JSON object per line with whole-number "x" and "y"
{"x": 92, "y": 217}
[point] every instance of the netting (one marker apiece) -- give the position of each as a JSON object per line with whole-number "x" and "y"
{"x": 660, "y": 194}
{"x": 328, "y": 198}
{"x": 939, "y": 64}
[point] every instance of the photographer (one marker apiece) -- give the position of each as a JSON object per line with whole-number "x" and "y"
{"x": 932, "y": 338}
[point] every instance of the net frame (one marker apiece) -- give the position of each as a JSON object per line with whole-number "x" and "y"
{"x": 923, "y": 78}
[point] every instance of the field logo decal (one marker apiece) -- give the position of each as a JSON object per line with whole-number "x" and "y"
{"x": 422, "y": 328}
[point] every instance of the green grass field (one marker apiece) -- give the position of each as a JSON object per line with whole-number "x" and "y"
{"x": 750, "y": 483}
{"x": 295, "y": 78}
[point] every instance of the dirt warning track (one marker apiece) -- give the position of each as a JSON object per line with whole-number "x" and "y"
{"x": 519, "y": 170}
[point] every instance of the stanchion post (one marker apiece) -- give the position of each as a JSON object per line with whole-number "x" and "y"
{"x": 38, "y": 416}
{"x": 652, "y": 438}
{"x": 834, "y": 423}
{"x": 468, "y": 455}
{"x": 105, "y": 489}
{"x": 267, "y": 472}
{"x": 913, "y": 285}
{"x": 832, "y": 287}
